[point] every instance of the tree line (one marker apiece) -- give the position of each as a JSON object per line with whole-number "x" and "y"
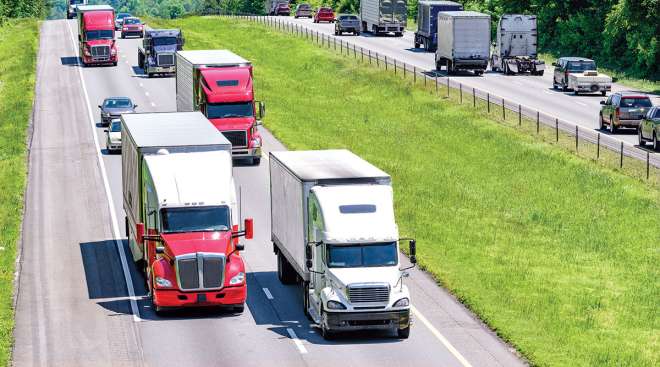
{"x": 22, "y": 9}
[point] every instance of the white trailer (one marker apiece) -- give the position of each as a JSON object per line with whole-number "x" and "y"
{"x": 463, "y": 41}
{"x": 333, "y": 229}
{"x": 384, "y": 16}
{"x": 515, "y": 47}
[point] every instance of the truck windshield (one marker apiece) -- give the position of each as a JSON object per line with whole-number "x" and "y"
{"x": 75, "y": 2}
{"x": 636, "y": 102}
{"x": 196, "y": 219}
{"x": 227, "y": 110}
{"x": 581, "y": 65}
{"x": 164, "y": 41}
{"x": 99, "y": 35}
{"x": 363, "y": 255}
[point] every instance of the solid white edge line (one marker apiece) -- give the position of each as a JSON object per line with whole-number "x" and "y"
{"x": 440, "y": 337}
{"x": 108, "y": 193}
{"x": 299, "y": 344}
{"x": 268, "y": 294}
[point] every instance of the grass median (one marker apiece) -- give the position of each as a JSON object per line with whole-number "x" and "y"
{"x": 18, "y": 52}
{"x": 558, "y": 255}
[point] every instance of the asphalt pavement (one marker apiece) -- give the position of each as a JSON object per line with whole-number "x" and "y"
{"x": 81, "y": 302}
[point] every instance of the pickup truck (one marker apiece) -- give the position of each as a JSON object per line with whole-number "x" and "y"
{"x": 579, "y": 75}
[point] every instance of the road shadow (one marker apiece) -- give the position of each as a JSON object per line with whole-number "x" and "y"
{"x": 70, "y": 60}
{"x": 418, "y": 50}
{"x": 103, "y": 270}
{"x": 138, "y": 71}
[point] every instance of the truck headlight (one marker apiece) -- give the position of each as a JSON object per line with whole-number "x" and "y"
{"x": 403, "y": 302}
{"x": 113, "y": 52}
{"x": 256, "y": 143}
{"x": 86, "y": 52}
{"x": 335, "y": 305}
{"x": 163, "y": 283}
{"x": 237, "y": 279}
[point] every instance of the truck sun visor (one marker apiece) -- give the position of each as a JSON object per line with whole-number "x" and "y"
{"x": 227, "y": 83}
{"x": 357, "y": 209}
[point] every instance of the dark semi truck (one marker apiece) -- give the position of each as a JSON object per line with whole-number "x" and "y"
{"x": 158, "y": 52}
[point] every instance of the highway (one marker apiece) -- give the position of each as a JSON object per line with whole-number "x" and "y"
{"x": 81, "y": 302}
{"x": 534, "y": 92}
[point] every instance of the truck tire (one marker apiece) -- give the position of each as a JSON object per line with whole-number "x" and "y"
{"x": 326, "y": 333}
{"x": 285, "y": 272}
{"x": 403, "y": 333}
{"x": 239, "y": 308}
{"x": 603, "y": 93}
{"x": 416, "y": 43}
{"x": 305, "y": 299}
{"x": 640, "y": 139}
{"x": 114, "y": 63}
{"x": 364, "y": 27}
{"x": 256, "y": 161}
{"x": 539, "y": 73}
{"x": 398, "y": 34}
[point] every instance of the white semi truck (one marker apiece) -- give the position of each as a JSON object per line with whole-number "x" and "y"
{"x": 515, "y": 47}
{"x": 463, "y": 41}
{"x": 384, "y": 16}
{"x": 333, "y": 230}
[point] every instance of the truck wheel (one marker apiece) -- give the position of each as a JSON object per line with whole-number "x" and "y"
{"x": 416, "y": 44}
{"x": 398, "y": 34}
{"x": 640, "y": 139}
{"x": 305, "y": 301}
{"x": 403, "y": 333}
{"x": 285, "y": 271}
{"x": 576, "y": 92}
{"x": 326, "y": 333}
{"x": 564, "y": 88}
{"x": 114, "y": 63}
{"x": 603, "y": 93}
{"x": 364, "y": 27}
{"x": 239, "y": 308}
{"x": 256, "y": 161}
{"x": 539, "y": 73}
{"x": 149, "y": 75}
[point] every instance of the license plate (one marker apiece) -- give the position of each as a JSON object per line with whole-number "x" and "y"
{"x": 201, "y": 298}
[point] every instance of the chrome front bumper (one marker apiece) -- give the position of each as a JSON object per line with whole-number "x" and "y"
{"x": 383, "y": 320}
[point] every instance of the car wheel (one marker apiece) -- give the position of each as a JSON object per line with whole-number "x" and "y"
{"x": 640, "y": 138}
{"x": 564, "y": 88}
{"x": 417, "y": 44}
{"x": 603, "y": 93}
{"x": 656, "y": 147}
{"x": 602, "y": 122}
{"x": 554, "y": 84}
{"x": 239, "y": 308}
{"x": 114, "y": 63}
{"x": 403, "y": 333}
{"x": 612, "y": 127}
{"x": 576, "y": 92}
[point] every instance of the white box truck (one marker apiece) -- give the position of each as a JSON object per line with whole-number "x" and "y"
{"x": 384, "y": 16}
{"x": 463, "y": 41}
{"x": 182, "y": 217}
{"x": 515, "y": 47}
{"x": 333, "y": 229}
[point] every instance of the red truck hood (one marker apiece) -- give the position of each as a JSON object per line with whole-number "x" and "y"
{"x": 91, "y": 43}
{"x": 239, "y": 123}
{"x": 192, "y": 242}
{"x": 222, "y": 85}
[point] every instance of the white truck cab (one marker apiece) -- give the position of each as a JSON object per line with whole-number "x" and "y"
{"x": 333, "y": 228}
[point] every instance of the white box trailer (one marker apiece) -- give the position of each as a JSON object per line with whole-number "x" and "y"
{"x": 145, "y": 134}
{"x": 332, "y": 213}
{"x": 463, "y": 41}
{"x": 384, "y": 16}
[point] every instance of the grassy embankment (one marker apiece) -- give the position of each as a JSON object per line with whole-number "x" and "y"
{"x": 18, "y": 51}
{"x": 555, "y": 253}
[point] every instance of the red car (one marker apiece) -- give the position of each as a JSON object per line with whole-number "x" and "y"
{"x": 324, "y": 15}
{"x": 131, "y": 26}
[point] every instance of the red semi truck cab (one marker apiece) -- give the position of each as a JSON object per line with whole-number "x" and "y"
{"x": 219, "y": 83}
{"x": 182, "y": 215}
{"x": 96, "y": 35}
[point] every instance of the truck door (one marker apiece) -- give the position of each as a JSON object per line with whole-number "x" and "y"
{"x": 150, "y": 216}
{"x": 316, "y": 279}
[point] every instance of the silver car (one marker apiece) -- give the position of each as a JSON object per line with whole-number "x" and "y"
{"x": 113, "y": 107}
{"x": 113, "y": 136}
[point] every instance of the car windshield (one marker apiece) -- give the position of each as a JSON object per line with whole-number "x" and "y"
{"x": 196, "y": 219}
{"x": 304, "y": 7}
{"x": 226, "y": 110}
{"x": 581, "y": 65}
{"x": 115, "y": 126}
{"x": 348, "y": 17}
{"x": 99, "y": 35}
{"x": 635, "y": 102}
{"x": 363, "y": 255}
{"x": 75, "y": 2}
{"x": 118, "y": 103}
{"x": 325, "y": 10}
{"x": 164, "y": 41}
{"x": 131, "y": 21}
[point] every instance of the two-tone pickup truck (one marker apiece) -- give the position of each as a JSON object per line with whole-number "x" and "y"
{"x": 580, "y": 75}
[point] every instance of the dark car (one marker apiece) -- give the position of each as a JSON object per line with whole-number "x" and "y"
{"x": 132, "y": 26}
{"x": 303, "y": 11}
{"x": 324, "y": 14}
{"x": 281, "y": 9}
{"x": 649, "y": 128}
{"x": 347, "y": 23}
{"x": 113, "y": 107}
{"x": 623, "y": 109}
{"x": 120, "y": 17}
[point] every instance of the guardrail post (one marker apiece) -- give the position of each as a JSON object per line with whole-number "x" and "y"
{"x": 538, "y": 120}
{"x": 447, "y": 87}
{"x": 436, "y": 84}
{"x": 519, "y": 115}
{"x": 598, "y": 146}
{"x": 460, "y": 92}
{"x": 474, "y": 99}
{"x": 378, "y": 61}
{"x": 576, "y": 138}
{"x": 648, "y": 157}
{"x": 503, "y": 110}
{"x": 354, "y": 52}
{"x": 557, "y": 129}
{"x": 386, "y": 64}
{"x": 621, "y": 159}
{"x": 341, "y": 47}
{"x": 488, "y": 102}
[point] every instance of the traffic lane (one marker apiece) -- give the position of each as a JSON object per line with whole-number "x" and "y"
{"x": 67, "y": 278}
{"x": 188, "y": 331}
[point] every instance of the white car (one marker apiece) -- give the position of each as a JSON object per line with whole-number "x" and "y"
{"x": 113, "y": 136}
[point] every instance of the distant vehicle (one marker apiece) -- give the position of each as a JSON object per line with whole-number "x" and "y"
{"x": 96, "y": 35}
{"x": 131, "y": 26}
{"x": 158, "y": 52}
{"x": 461, "y": 50}
{"x": 182, "y": 213}
{"x": 384, "y": 16}
{"x": 649, "y": 128}
{"x": 113, "y": 107}
{"x": 120, "y": 17}
{"x": 303, "y": 10}
{"x": 623, "y": 109}
{"x": 278, "y": 7}
{"x": 347, "y": 23}
{"x": 72, "y": 9}
{"x": 334, "y": 232}
{"x": 580, "y": 75}
{"x": 324, "y": 14}
{"x": 113, "y": 136}
{"x": 515, "y": 46}
{"x": 427, "y": 22}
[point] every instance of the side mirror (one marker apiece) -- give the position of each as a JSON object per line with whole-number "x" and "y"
{"x": 413, "y": 251}
{"x": 139, "y": 233}
{"x": 80, "y": 38}
{"x": 100, "y": 106}
{"x": 602, "y": 102}
{"x": 106, "y": 130}
{"x": 135, "y": 106}
{"x": 308, "y": 256}
{"x": 554, "y": 64}
{"x": 160, "y": 250}
{"x": 249, "y": 228}
{"x": 262, "y": 109}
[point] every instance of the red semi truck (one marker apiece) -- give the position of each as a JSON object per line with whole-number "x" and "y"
{"x": 219, "y": 83}
{"x": 182, "y": 216}
{"x": 96, "y": 35}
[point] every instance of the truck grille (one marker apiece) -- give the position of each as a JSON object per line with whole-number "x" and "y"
{"x": 100, "y": 52}
{"x": 369, "y": 293}
{"x": 236, "y": 138}
{"x": 165, "y": 59}
{"x": 200, "y": 271}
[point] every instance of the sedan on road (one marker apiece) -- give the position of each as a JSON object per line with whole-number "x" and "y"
{"x": 649, "y": 128}
{"x": 120, "y": 17}
{"x": 623, "y": 109}
{"x": 303, "y": 10}
{"x": 113, "y": 107}
{"x": 113, "y": 136}
{"x": 281, "y": 9}
{"x": 132, "y": 26}
{"x": 324, "y": 14}
{"x": 347, "y": 23}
